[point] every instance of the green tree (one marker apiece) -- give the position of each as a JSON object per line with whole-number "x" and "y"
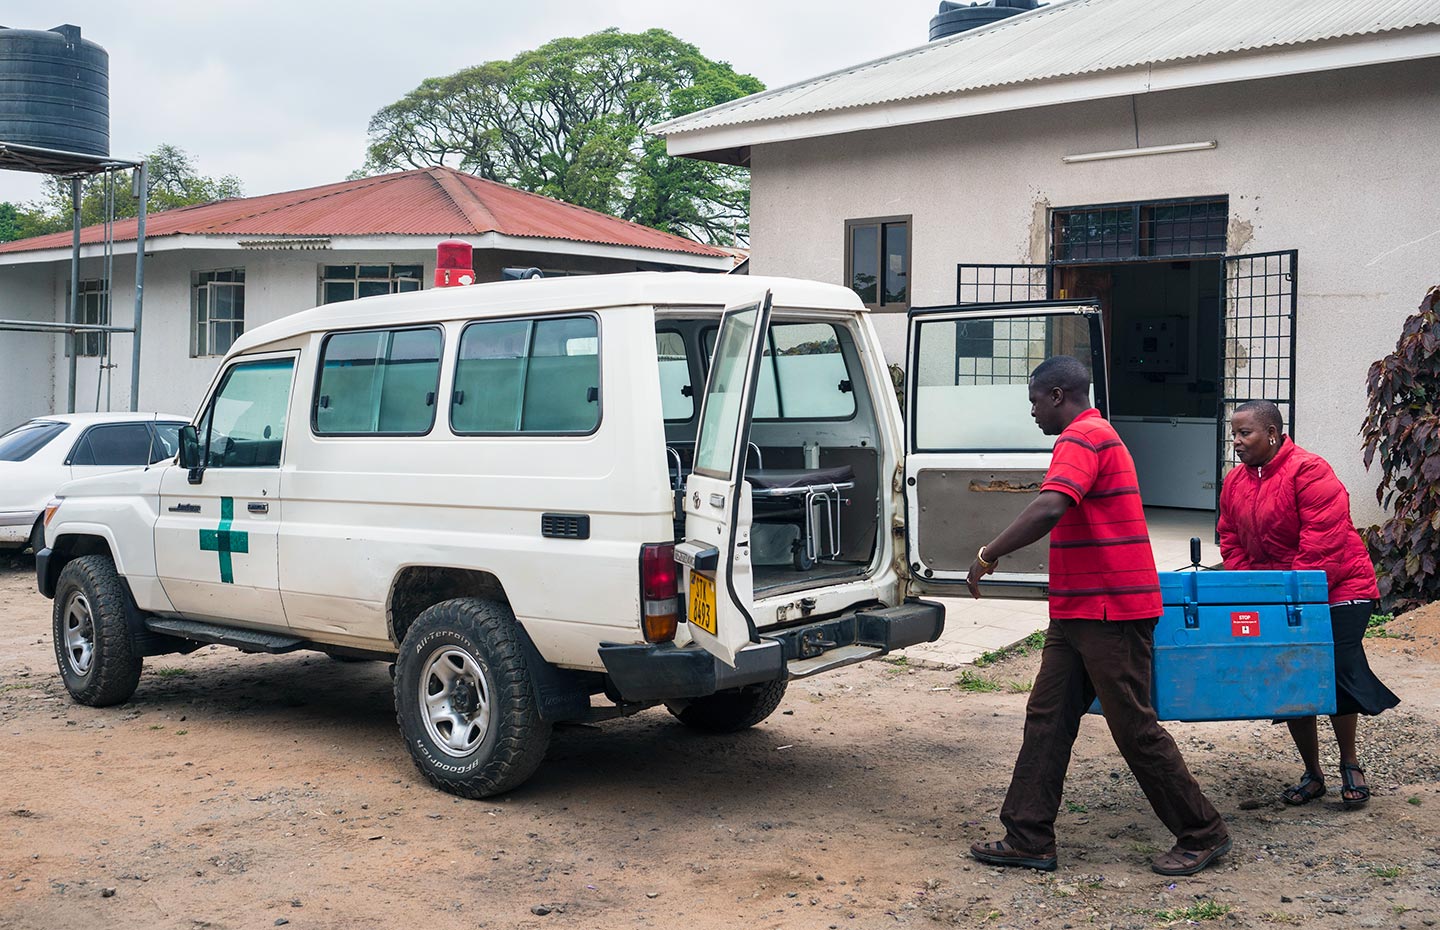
{"x": 171, "y": 179}
{"x": 569, "y": 120}
{"x": 9, "y": 222}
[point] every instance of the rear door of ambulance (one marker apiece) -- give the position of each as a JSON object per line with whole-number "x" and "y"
{"x": 974, "y": 457}
{"x": 719, "y": 585}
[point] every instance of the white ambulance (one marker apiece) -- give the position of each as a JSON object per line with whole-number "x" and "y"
{"x": 568, "y": 499}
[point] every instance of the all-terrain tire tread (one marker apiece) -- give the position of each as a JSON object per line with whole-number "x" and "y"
{"x": 730, "y": 712}
{"x": 115, "y": 672}
{"x": 521, "y": 746}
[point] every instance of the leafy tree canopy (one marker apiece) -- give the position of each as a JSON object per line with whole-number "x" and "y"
{"x": 569, "y": 120}
{"x": 171, "y": 179}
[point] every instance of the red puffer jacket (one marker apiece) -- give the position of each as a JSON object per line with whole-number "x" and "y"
{"x": 1293, "y": 513}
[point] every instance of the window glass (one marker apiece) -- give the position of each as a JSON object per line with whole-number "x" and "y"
{"x": 800, "y": 373}
{"x": 347, "y": 282}
{"x": 167, "y": 441}
{"x": 677, "y": 399}
{"x": 244, "y": 427}
{"x": 897, "y": 263}
{"x": 120, "y": 444}
{"x": 378, "y": 382}
{"x": 528, "y": 376}
{"x": 809, "y": 371}
{"x": 28, "y": 438}
{"x": 724, "y": 391}
{"x": 864, "y": 261}
{"x": 976, "y": 397}
{"x": 218, "y": 316}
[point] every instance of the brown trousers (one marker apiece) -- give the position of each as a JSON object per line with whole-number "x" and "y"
{"x": 1111, "y": 659}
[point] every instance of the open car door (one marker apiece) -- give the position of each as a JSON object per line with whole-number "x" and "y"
{"x": 974, "y": 457}
{"x": 719, "y": 587}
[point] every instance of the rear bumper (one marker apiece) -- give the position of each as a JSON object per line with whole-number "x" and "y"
{"x": 15, "y": 526}
{"x": 664, "y": 672}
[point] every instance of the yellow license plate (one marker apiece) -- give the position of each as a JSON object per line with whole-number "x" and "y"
{"x": 702, "y": 602}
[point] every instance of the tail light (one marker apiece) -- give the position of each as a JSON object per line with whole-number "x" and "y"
{"x": 659, "y": 592}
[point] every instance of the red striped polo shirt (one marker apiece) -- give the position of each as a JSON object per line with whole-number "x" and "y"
{"x": 1101, "y": 563}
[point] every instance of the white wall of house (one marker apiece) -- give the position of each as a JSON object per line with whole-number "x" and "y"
{"x": 26, "y": 359}
{"x": 1339, "y": 165}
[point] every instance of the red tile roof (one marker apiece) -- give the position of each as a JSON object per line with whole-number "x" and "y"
{"x": 424, "y": 202}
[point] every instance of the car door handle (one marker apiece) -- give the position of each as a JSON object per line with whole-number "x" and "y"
{"x": 185, "y": 508}
{"x": 258, "y": 507}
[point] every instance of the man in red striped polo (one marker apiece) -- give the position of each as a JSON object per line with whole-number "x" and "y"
{"x": 1104, "y": 601}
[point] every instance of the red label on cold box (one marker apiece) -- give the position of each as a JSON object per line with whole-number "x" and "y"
{"x": 1245, "y": 623}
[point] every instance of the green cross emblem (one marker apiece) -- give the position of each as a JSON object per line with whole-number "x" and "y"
{"x": 224, "y": 540}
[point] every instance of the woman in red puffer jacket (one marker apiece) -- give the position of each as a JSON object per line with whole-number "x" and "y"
{"x": 1284, "y": 509}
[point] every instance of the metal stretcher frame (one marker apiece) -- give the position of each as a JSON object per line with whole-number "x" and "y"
{"x": 817, "y": 496}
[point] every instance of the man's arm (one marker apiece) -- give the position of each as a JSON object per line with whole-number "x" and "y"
{"x": 1033, "y": 523}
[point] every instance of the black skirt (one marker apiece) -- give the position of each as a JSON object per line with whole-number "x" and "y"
{"x": 1357, "y": 690}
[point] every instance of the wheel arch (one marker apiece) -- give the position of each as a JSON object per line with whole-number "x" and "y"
{"x": 417, "y": 588}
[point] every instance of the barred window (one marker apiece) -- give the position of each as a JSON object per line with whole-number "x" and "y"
{"x": 1134, "y": 231}
{"x": 217, "y": 311}
{"x": 348, "y": 282}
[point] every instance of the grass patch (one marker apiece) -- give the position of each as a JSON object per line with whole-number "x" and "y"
{"x": 181, "y": 732}
{"x": 969, "y": 681}
{"x": 172, "y": 672}
{"x": 896, "y": 660}
{"x": 1387, "y": 871}
{"x": 1376, "y": 628}
{"x": 1016, "y": 686}
{"x": 1413, "y": 800}
{"x": 1280, "y": 917}
{"x": 1398, "y": 909}
{"x": 1029, "y": 644}
{"x": 1204, "y": 910}
{"x": 157, "y": 726}
{"x": 1076, "y": 808}
{"x": 18, "y": 686}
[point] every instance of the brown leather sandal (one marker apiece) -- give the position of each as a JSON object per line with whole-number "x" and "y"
{"x": 1180, "y": 861}
{"x": 1001, "y": 853}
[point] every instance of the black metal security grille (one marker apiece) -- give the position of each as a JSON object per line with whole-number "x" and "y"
{"x": 1139, "y": 231}
{"x": 1001, "y": 284}
{"x": 1257, "y": 338}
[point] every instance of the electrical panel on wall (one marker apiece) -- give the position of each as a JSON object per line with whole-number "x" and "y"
{"x": 1158, "y": 345}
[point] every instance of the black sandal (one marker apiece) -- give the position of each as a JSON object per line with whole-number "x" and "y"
{"x": 1347, "y": 779}
{"x": 1310, "y": 787}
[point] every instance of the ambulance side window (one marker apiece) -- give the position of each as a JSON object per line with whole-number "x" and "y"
{"x": 244, "y": 426}
{"x": 528, "y": 376}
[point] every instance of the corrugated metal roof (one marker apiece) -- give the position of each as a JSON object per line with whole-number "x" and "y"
{"x": 1072, "y": 38}
{"x": 424, "y": 202}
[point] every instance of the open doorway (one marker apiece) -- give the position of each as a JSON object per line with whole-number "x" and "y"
{"x": 1162, "y": 323}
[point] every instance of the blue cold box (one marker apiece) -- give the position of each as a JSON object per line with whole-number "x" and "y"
{"x": 1243, "y": 646}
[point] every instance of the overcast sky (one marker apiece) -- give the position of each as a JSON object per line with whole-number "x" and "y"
{"x": 279, "y": 93}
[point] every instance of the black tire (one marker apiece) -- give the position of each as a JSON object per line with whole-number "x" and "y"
{"x": 92, "y": 612}
{"x": 731, "y": 711}
{"x": 801, "y": 556}
{"x": 476, "y": 641}
{"x": 37, "y": 536}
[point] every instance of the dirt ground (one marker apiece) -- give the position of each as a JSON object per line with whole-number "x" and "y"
{"x": 246, "y": 791}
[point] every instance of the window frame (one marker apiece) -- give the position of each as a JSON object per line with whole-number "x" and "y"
{"x": 391, "y": 280}
{"x": 880, "y": 222}
{"x": 769, "y": 345}
{"x": 207, "y": 410}
{"x": 199, "y": 282}
{"x": 1142, "y": 237}
{"x": 100, "y": 289}
{"x": 531, "y": 318}
{"x": 320, "y": 373}
{"x": 691, "y": 367}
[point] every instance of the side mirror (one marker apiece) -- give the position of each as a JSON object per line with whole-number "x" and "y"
{"x": 191, "y": 455}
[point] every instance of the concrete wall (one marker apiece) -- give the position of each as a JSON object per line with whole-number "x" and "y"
{"x": 26, "y": 359}
{"x": 34, "y": 370}
{"x": 1341, "y": 166}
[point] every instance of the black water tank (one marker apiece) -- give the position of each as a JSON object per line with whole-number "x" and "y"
{"x": 959, "y": 17}
{"x": 54, "y": 90}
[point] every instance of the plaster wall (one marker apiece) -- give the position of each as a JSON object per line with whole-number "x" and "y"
{"x": 1340, "y": 166}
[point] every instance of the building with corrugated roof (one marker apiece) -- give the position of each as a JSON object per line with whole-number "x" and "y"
{"x": 1248, "y": 188}
{"x": 213, "y": 269}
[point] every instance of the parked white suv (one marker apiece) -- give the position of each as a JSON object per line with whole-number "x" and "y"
{"x": 543, "y": 501}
